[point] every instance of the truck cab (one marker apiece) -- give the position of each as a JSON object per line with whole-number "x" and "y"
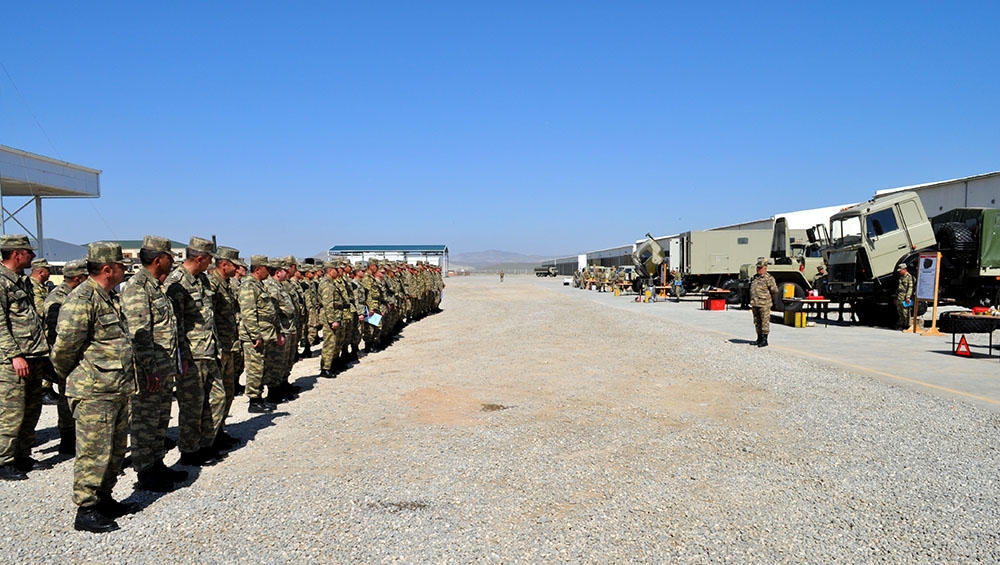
{"x": 867, "y": 241}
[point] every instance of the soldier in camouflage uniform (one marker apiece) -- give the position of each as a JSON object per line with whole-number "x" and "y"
{"x": 39, "y": 277}
{"x": 24, "y": 360}
{"x": 356, "y": 291}
{"x": 904, "y": 294}
{"x": 234, "y": 285}
{"x": 259, "y": 332}
{"x": 372, "y": 333}
{"x": 763, "y": 289}
{"x": 281, "y": 363}
{"x": 153, "y": 331}
{"x": 93, "y": 352}
{"x": 189, "y": 290}
{"x": 225, "y": 304}
{"x": 310, "y": 291}
{"x": 74, "y": 273}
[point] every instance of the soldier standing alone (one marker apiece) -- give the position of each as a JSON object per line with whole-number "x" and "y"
{"x": 762, "y": 292}
{"x": 904, "y": 297}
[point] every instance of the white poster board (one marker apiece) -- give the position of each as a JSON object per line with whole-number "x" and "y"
{"x": 927, "y": 268}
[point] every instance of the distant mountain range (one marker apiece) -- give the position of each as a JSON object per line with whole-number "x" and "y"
{"x": 494, "y": 259}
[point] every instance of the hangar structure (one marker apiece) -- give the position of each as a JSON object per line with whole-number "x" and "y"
{"x": 433, "y": 254}
{"x": 26, "y": 178}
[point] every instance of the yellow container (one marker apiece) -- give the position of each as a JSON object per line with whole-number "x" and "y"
{"x": 795, "y": 319}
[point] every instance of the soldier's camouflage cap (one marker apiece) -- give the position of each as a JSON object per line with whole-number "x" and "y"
{"x": 201, "y": 245}
{"x": 104, "y": 252}
{"x": 761, "y": 262}
{"x": 156, "y": 243}
{"x": 289, "y": 261}
{"x": 41, "y": 263}
{"x": 901, "y": 266}
{"x": 820, "y": 267}
{"x": 75, "y": 268}
{"x": 15, "y": 241}
{"x": 276, "y": 263}
{"x": 258, "y": 261}
{"x": 228, "y": 253}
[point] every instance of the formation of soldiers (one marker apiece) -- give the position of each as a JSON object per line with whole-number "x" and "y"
{"x": 601, "y": 279}
{"x": 121, "y": 353}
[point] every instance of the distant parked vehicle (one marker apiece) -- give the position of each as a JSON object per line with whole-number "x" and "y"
{"x": 549, "y": 271}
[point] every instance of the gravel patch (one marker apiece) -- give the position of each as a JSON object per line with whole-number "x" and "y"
{"x": 525, "y": 424}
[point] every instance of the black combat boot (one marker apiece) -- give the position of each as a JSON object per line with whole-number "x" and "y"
{"x": 327, "y": 374}
{"x": 49, "y": 397}
{"x": 757, "y": 342}
{"x": 90, "y": 519}
{"x": 259, "y": 406}
{"x": 9, "y": 472}
{"x": 763, "y": 341}
{"x": 224, "y": 441}
{"x": 306, "y": 352}
{"x": 172, "y": 475}
{"x": 152, "y": 480}
{"x": 112, "y": 508}
{"x": 67, "y": 442}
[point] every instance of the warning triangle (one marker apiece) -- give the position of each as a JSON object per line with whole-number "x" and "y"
{"x": 963, "y": 348}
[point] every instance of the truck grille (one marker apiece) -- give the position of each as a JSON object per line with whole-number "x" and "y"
{"x": 843, "y": 273}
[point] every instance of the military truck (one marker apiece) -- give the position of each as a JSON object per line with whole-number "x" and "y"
{"x": 549, "y": 271}
{"x": 705, "y": 259}
{"x": 969, "y": 242}
{"x": 795, "y": 254}
{"x": 869, "y": 240}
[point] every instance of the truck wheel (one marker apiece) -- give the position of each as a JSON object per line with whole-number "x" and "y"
{"x": 733, "y": 286}
{"x": 781, "y": 305}
{"x": 955, "y": 236}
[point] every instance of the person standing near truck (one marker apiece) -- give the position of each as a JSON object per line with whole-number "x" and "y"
{"x": 762, "y": 292}
{"x": 904, "y": 297}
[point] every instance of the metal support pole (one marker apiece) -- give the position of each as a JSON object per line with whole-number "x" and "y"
{"x": 38, "y": 226}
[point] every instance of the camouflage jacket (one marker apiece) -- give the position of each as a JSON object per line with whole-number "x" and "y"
{"x": 21, "y": 330}
{"x": 373, "y": 294}
{"x": 93, "y": 350}
{"x": 152, "y": 326}
{"x": 285, "y": 305}
{"x": 50, "y": 310}
{"x": 357, "y": 293}
{"x": 294, "y": 290}
{"x": 40, "y": 292}
{"x": 762, "y": 290}
{"x": 226, "y": 305}
{"x": 258, "y": 312}
{"x": 192, "y": 300}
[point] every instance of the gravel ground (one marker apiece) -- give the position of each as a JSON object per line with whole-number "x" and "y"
{"x": 522, "y": 424}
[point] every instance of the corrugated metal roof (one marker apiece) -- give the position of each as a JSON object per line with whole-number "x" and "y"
{"x": 389, "y": 248}
{"x": 935, "y": 183}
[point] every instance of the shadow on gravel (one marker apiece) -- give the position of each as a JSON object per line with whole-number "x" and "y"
{"x": 737, "y": 340}
{"x": 306, "y": 383}
{"x": 247, "y": 430}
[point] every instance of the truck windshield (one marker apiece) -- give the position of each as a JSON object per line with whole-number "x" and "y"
{"x": 845, "y": 231}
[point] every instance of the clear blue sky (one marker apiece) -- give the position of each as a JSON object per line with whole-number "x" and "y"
{"x": 537, "y": 127}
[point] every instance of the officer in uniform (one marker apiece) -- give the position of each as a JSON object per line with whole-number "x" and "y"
{"x": 763, "y": 289}
{"x": 259, "y": 332}
{"x": 904, "y": 296}
{"x": 189, "y": 290}
{"x": 225, "y": 304}
{"x": 93, "y": 352}
{"x": 279, "y": 388}
{"x": 24, "y": 362}
{"x": 153, "y": 331}
{"x": 74, "y": 273}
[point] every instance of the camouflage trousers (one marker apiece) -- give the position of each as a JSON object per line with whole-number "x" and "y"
{"x": 352, "y": 336}
{"x": 20, "y": 408}
{"x": 195, "y": 424}
{"x": 222, "y": 399}
{"x": 101, "y": 435}
{"x": 370, "y": 334}
{"x": 64, "y": 414}
{"x": 332, "y": 340}
{"x": 762, "y": 319}
{"x": 260, "y": 372}
{"x": 903, "y": 314}
{"x": 290, "y": 352}
{"x": 150, "y": 416}
{"x": 238, "y": 364}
